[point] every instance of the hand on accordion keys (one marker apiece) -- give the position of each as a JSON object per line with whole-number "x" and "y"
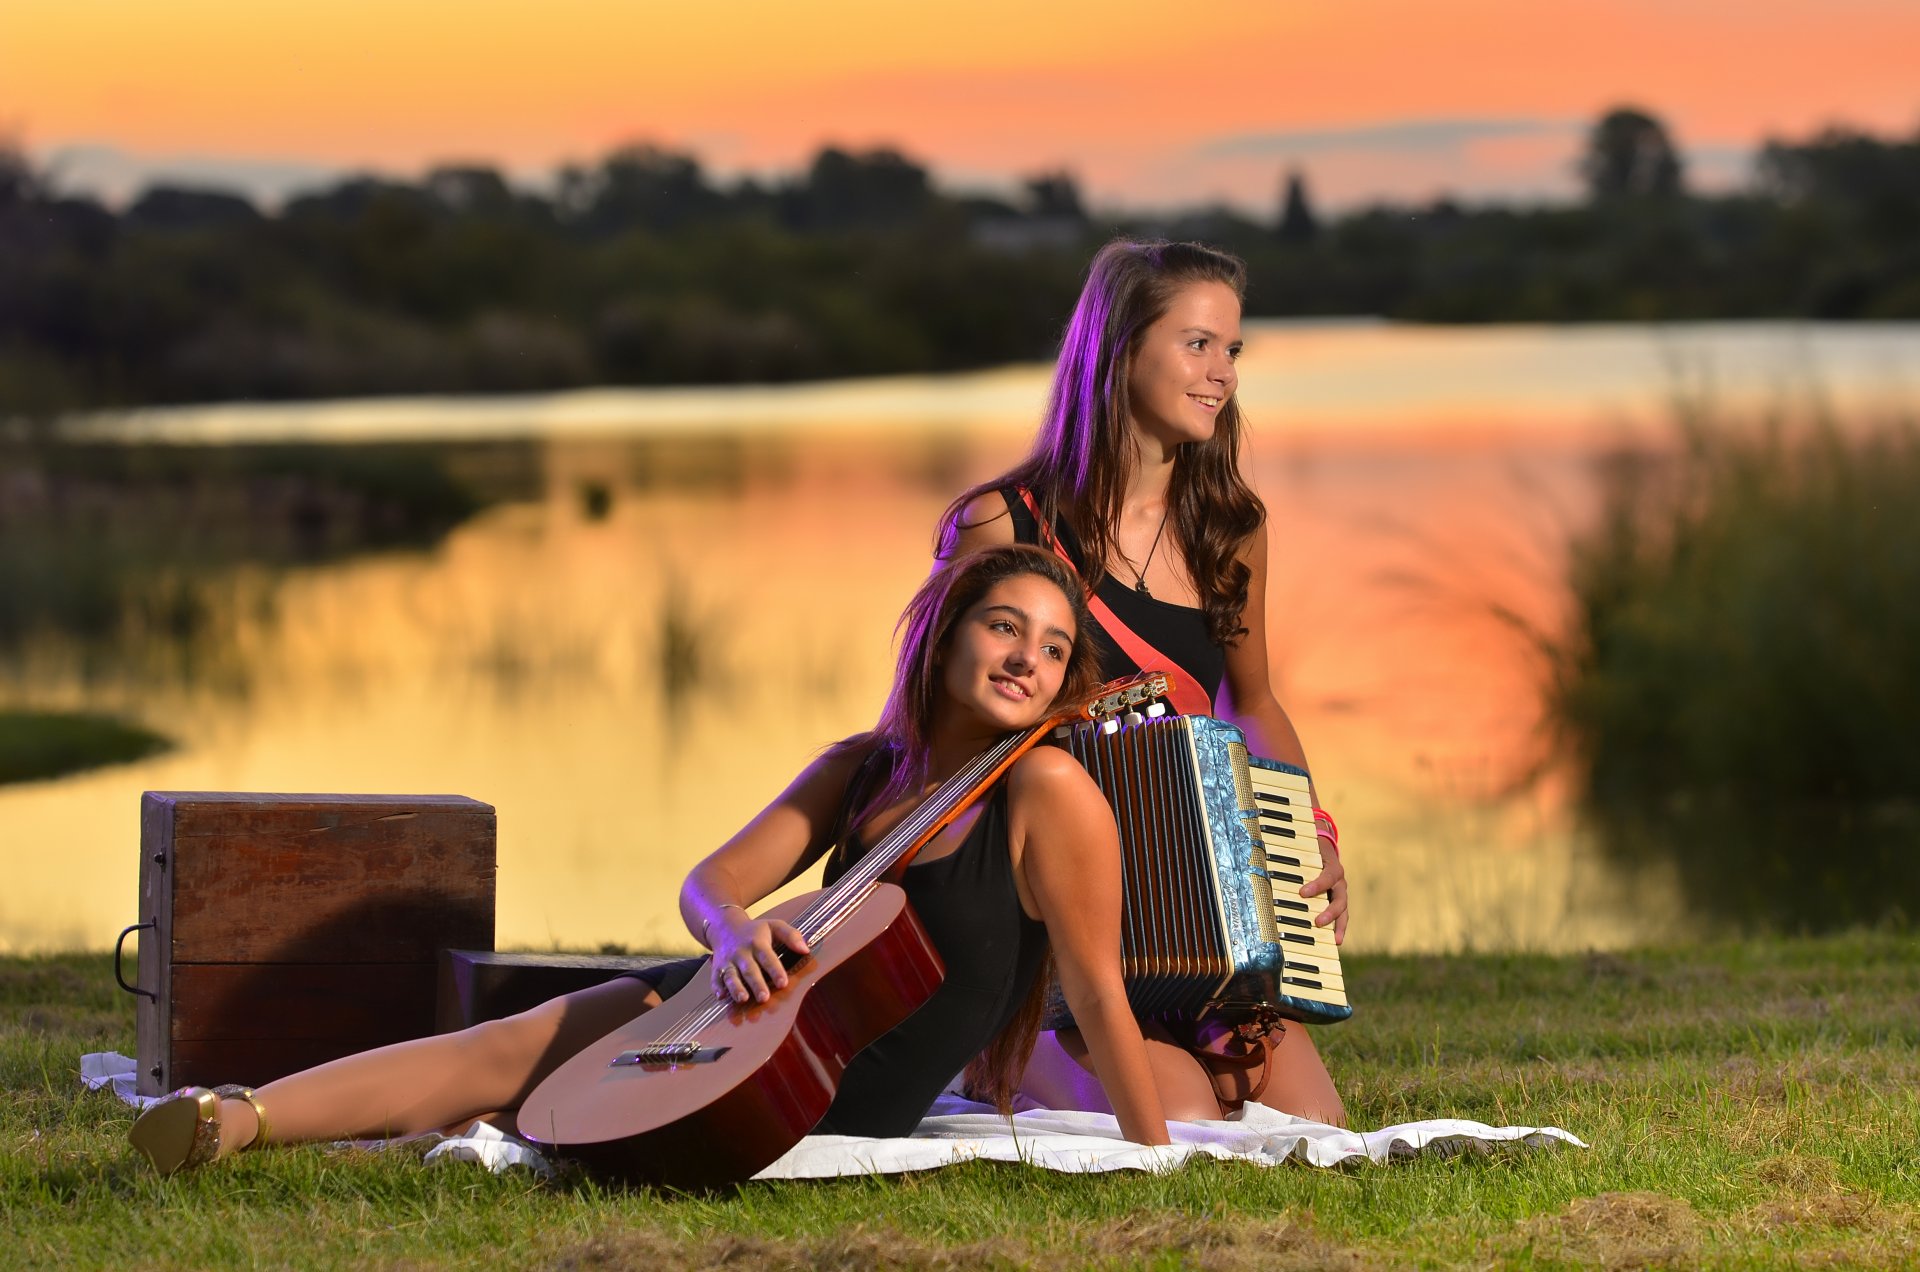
{"x": 1332, "y": 878}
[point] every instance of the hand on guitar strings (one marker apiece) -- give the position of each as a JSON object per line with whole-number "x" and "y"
{"x": 746, "y": 965}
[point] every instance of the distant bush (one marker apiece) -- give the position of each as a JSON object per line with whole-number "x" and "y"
{"x": 35, "y": 745}
{"x": 641, "y": 269}
{"x": 125, "y": 557}
{"x": 1740, "y": 685}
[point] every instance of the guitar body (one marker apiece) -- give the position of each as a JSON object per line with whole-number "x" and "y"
{"x": 766, "y": 1073}
{"x": 697, "y": 1093}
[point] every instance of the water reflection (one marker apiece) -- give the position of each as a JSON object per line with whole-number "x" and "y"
{"x": 626, "y": 677}
{"x": 635, "y": 648}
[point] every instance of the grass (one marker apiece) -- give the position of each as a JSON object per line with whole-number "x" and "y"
{"x": 1748, "y": 1104}
{"x": 40, "y": 744}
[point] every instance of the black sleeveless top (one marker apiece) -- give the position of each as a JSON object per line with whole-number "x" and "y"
{"x": 1178, "y": 631}
{"x": 993, "y": 952}
{"x": 968, "y": 903}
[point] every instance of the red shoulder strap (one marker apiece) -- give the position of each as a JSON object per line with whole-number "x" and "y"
{"x": 1187, "y": 697}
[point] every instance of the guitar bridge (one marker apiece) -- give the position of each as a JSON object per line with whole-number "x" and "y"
{"x": 669, "y": 1053}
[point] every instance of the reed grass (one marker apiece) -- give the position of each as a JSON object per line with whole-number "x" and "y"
{"x": 1738, "y": 685}
{"x": 1747, "y": 1103}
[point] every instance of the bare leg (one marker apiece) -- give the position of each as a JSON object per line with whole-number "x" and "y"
{"x": 430, "y": 1083}
{"x": 1299, "y": 1083}
{"x": 1060, "y": 1076}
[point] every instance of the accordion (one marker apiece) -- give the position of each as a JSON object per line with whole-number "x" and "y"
{"x": 1216, "y": 844}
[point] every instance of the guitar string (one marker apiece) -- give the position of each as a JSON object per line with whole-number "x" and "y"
{"x": 851, "y": 888}
{"x": 854, "y": 885}
{"x": 858, "y": 881}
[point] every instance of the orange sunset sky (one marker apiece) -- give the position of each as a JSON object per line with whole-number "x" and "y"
{"x": 1151, "y": 105}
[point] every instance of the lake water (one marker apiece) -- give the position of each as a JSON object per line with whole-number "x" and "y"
{"x": 628, "y": 688}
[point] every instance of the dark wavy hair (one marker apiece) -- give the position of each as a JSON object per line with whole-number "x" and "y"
{"x": 898, "y": 743}
{"x": 1083, "y": 458}
{"x": 926, "y": 626}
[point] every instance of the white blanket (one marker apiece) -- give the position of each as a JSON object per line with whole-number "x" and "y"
{"x": 958, "y": 1130}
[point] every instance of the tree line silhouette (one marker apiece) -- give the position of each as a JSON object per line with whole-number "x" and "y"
{"x": 642, "y": 269}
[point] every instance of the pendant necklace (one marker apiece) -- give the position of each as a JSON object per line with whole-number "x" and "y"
{"x": 1140, "y": 571}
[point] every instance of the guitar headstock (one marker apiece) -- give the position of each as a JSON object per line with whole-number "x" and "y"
{"x": 1117, "y": 696}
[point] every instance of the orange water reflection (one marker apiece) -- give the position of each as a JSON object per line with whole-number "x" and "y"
{"x": 525, "y": 661}
{"x": 627, "y": 690}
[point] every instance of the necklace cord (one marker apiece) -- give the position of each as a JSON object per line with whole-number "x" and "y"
{"x": 1140, "y": 571}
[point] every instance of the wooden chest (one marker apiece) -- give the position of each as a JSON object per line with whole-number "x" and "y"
{"x": 287, "y": 930}
{"x": 477, "y": 985}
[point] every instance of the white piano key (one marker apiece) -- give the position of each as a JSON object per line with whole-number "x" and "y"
{"x": 1315, "y": 944}
{"x": 1298, "y": 932}
{"x": 1328, "y": 972}
{"x": 1331, "y": 998}
{"x": 1334, "y": 984}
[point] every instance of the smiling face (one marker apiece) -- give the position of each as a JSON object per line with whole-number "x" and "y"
{"x": 1183, "y": 367}
{"x": 1006, "y": 656}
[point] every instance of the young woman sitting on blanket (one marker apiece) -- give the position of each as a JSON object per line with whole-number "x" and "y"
{"x": 1135, "y": 480}
{"x": 989, "y": 642}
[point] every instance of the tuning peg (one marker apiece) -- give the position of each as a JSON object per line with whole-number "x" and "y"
{"x": 1109, "y": 726}
{"x": 1131, "y": 718}
{"x": 1155, "y": 710}
{"x": 1064, "y": 731}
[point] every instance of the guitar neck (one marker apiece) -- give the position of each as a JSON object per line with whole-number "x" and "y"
{"x": 899, "y": 846}
{"x": 952, "y": 797}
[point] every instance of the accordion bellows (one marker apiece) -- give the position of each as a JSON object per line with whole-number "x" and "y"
{"x": 1216, "y": 845}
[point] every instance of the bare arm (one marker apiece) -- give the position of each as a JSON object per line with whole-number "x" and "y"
{"x": 1251, "y": 705}
{"x": 1067, "y": 866}
{"x": 787, "y": 836}
{"x": 1249, "y": 698}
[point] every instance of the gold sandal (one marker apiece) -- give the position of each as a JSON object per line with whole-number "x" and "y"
{"x": 183, "y": 1130}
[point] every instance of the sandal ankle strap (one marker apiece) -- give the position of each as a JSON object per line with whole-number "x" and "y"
{"x": 234, "y": 1091}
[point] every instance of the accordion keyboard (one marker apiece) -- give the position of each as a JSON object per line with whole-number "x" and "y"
{"x": 1215, "y": 846}
{"x": 1310, "y": 961}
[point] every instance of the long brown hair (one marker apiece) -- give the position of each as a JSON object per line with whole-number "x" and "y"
{"x": 1083, "y": 458}
{"x": 898, "y": 743}
{"x": 924, "y": 629}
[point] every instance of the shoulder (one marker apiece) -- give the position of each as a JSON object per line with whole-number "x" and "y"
{"x": 1059, "y": 826}
{"x": 988, "y": 508}
{"x": 1047, "y": 782}
{"x": 834, "y": 771}
{"x": 984, "y": 521}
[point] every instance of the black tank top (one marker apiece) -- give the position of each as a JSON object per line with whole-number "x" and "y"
{"x": 1178, "y": 631}
{"x": 993, "y": 952}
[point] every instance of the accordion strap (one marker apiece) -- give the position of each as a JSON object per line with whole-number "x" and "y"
{"x": 1188, "y": 698}
{"x": 1226, "y": 1049}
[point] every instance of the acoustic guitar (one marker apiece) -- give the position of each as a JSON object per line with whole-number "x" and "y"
{"x": 700, "y": 1092}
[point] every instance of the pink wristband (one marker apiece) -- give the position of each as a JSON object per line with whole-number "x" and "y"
{"x": 1324, "y": 828}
